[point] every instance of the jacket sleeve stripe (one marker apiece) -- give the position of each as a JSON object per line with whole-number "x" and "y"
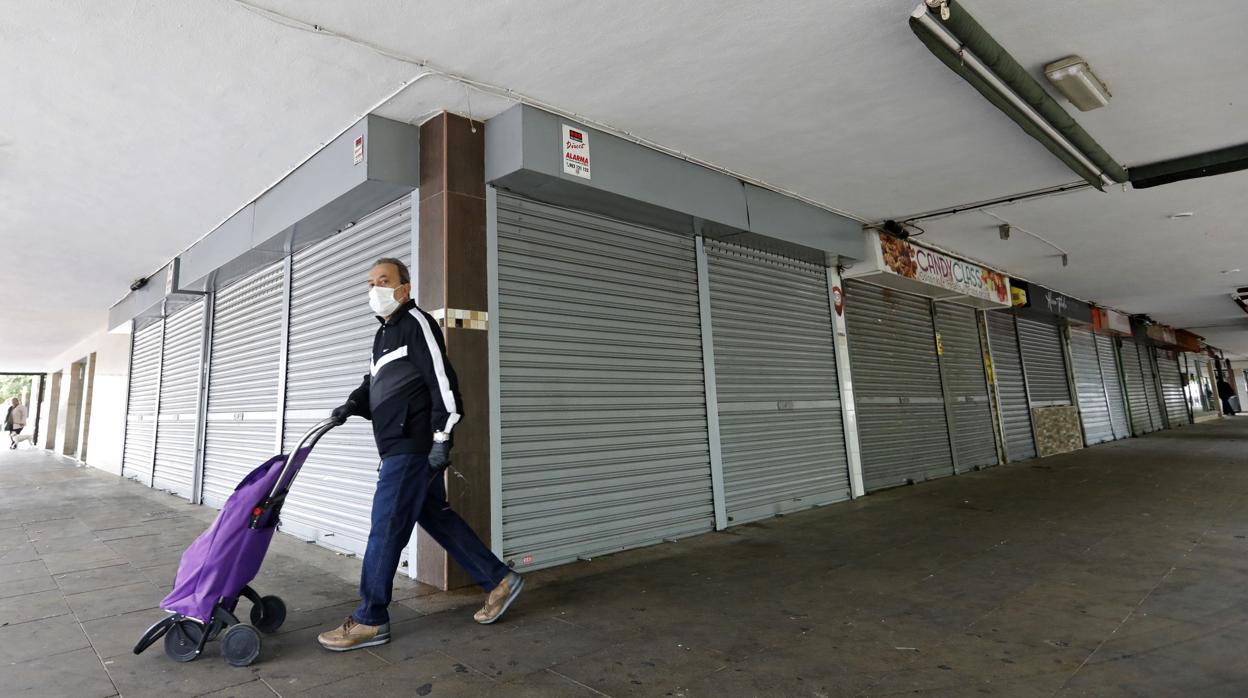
{"x": 439, "y": 370}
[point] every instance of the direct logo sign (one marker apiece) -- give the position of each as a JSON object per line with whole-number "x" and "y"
{"x": 575, "y": 152}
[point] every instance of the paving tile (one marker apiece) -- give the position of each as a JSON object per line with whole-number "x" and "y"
{"x": 60, "y": 563}
{"x": 153, "y": 675}
{"x": 99, "y": 578}
{"x": 17, "y": 571}
{"x": 117, "y": 635}
{"x": 57, "y": 528}
{"x": 432, "y": 674}
{"x": 28, "y": 607}
{"x": 295, "y": 662}
{"x": 26, "y": 586}
{"x": 77, "y": 673}
{"x": 40, "y": 638}
{"x": 251, "y": 689}
{"x": 24, "y": 552}
{"x": 114, "y": 601}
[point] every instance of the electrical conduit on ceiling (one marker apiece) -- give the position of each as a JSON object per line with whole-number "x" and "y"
{"x": 968, "y": 50}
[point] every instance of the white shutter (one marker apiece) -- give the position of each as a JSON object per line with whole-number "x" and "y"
{"x": 1093, "y": 404}
{"x": 1007, "y": 367}
{"x": 1044, "y": 362}
{"x": 330, "y": 347}
{"x": 241, "y": 430}
{"x": 180, "y": 372}
{"x": 604, "y": 436}
{"x": 775, "y": 375}
{"x": 1172, "y": 381}
{"x": 1111, "y": 375}
{"x": 902, "y": 429}
{"x": 963, "y": 361}
{"x": 141, "y": 412}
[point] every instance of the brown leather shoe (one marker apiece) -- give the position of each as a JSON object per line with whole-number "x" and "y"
{"x": 499, "y": 599}
{"x": 353, "y": 636}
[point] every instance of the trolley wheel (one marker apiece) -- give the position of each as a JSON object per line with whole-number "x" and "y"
{"x": 269, "y": 614}
{"x": 240, "y": 644}
{"x": 182, "y": 640}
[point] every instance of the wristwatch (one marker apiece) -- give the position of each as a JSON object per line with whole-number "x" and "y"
{"x": 440, "y": 437}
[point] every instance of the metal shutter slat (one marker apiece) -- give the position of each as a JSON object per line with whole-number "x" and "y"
{"x": 775, "y": 373}
{"x": 963, "y": 359}
{"x": 1156, "y": 408}
{"x": 603, "y": 407}
{"x": 243, "y": 381}
{"x": 1044, "y": 362}
{"x": 1107, "y": 354}
{"x": 330, "y": 343}
{"x": 178, "y": 424}
{"x": 1007, "y": 368}
{"x": 901, "y": 412}
{"x": 141, "y": 409}
{"x": 1093, "y": 403}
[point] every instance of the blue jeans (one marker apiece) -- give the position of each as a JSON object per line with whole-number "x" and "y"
{"x": 408, "y": 493}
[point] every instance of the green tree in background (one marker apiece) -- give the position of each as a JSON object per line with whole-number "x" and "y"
{"x": 15, "y": 386}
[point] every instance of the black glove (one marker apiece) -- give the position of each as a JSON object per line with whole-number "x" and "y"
{"x": 440, "y": 455}
{"x": 343, "y": 411}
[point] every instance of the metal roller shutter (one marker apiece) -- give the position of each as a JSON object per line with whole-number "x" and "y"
{"x": 604, "y": 437}
{"x": 1137, "y": 398}
{"x": 902, "y": 429}
{"x": 1044, "y": 361}
{"x": 241, "y": 429}
{"x": 1007, "y": 367}
{"x": 180, "y": 372}
{"x": 1093, "y": 404}
{"x": 775, "y": 376}
{"x": 1156, "y": 408}
{"x": 1172, "y": 388}
{"x": 141, "y": 410}
{"x": 1107, "y": 355}
{"x": 962, "y": 357}
{"x": 330, "y": 346}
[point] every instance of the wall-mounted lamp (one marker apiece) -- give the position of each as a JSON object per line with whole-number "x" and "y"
{"x": 1004, "y": 230}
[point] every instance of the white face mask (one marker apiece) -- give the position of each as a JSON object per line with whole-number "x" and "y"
{"x": 382, "y": 301}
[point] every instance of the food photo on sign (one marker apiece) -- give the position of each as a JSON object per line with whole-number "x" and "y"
{"x": 928, "y": 266}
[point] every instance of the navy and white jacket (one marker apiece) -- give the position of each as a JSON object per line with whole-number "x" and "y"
{"x": 411, "y": 390}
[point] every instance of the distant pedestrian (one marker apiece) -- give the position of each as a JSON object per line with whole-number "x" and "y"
{"x": 1226, "y": 392}
{"x": 15, "y": 421}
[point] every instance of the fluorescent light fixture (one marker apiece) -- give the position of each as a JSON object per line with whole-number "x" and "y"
{"x": 1076, "y": 81}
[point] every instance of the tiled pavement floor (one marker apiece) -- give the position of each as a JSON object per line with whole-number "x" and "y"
{"x": 1118, "y": 570}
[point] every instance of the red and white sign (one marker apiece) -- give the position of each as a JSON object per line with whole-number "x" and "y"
{"x": 575, "y": 152}
{"x": 930, "y": 267}
{"x": 358, "y": 153}
{"x": 839, "y": 299}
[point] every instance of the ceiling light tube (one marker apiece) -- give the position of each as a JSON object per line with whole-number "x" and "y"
{"x": 971, "y": 61}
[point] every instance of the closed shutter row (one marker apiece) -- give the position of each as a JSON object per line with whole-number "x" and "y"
{"x": 776, "y": 383}
{"x": 902, "y": 430}
{"x": 329, "y": 342}
{"x": 1090, "y": 384}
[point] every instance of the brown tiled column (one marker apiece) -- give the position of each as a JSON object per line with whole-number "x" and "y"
{"x": 452, "y": 280}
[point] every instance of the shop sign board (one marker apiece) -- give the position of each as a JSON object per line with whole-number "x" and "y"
{"x": 1037, "y": 297}
{"x": 1117, "y": 322}
{"x": 906, "y": 259}
{"x": 1161, "y": 334}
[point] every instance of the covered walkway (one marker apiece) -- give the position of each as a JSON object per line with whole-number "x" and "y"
{"x": 1115, "y": 570}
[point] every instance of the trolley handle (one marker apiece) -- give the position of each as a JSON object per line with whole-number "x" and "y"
{"x": 277, "y": 496}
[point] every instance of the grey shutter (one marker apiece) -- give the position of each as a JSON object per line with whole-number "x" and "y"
{"x": 902, "y": 430}
{"x": 1156, "y": 409}
{"x": 1137, "y": 398}
{"x": 180, "y": 370}
{"x": 775, "y": 375}
{"x": 1107, "y": 355}
{"x": 330, "y": 351}
{"x": 1172, "y": 388}
{"x": 603, "y": 412}
{"x": 1044, "y": 361}
{"x": 963, "y": 359}
{"x": 141, "y": 411}
{"x": 1007, "y": 367}
{"x": 1093, "y": 403}
{"x": 243, "y": 381}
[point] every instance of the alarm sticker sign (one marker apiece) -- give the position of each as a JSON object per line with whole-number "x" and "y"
{"x": 575, "y": 152}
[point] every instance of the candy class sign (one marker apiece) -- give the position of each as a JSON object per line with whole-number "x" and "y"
{"x": 906, "y": 259}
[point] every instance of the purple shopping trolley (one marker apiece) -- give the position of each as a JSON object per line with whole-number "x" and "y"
{"x": 218, "y": 567}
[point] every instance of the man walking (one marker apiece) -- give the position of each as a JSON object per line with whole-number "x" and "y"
{"x": 15, "y": 421}
{"x": 411, "y": 395}
{"x": 1226, "y": 392}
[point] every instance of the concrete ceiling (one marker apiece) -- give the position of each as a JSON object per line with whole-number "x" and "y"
{"x": 134, "y": 127}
